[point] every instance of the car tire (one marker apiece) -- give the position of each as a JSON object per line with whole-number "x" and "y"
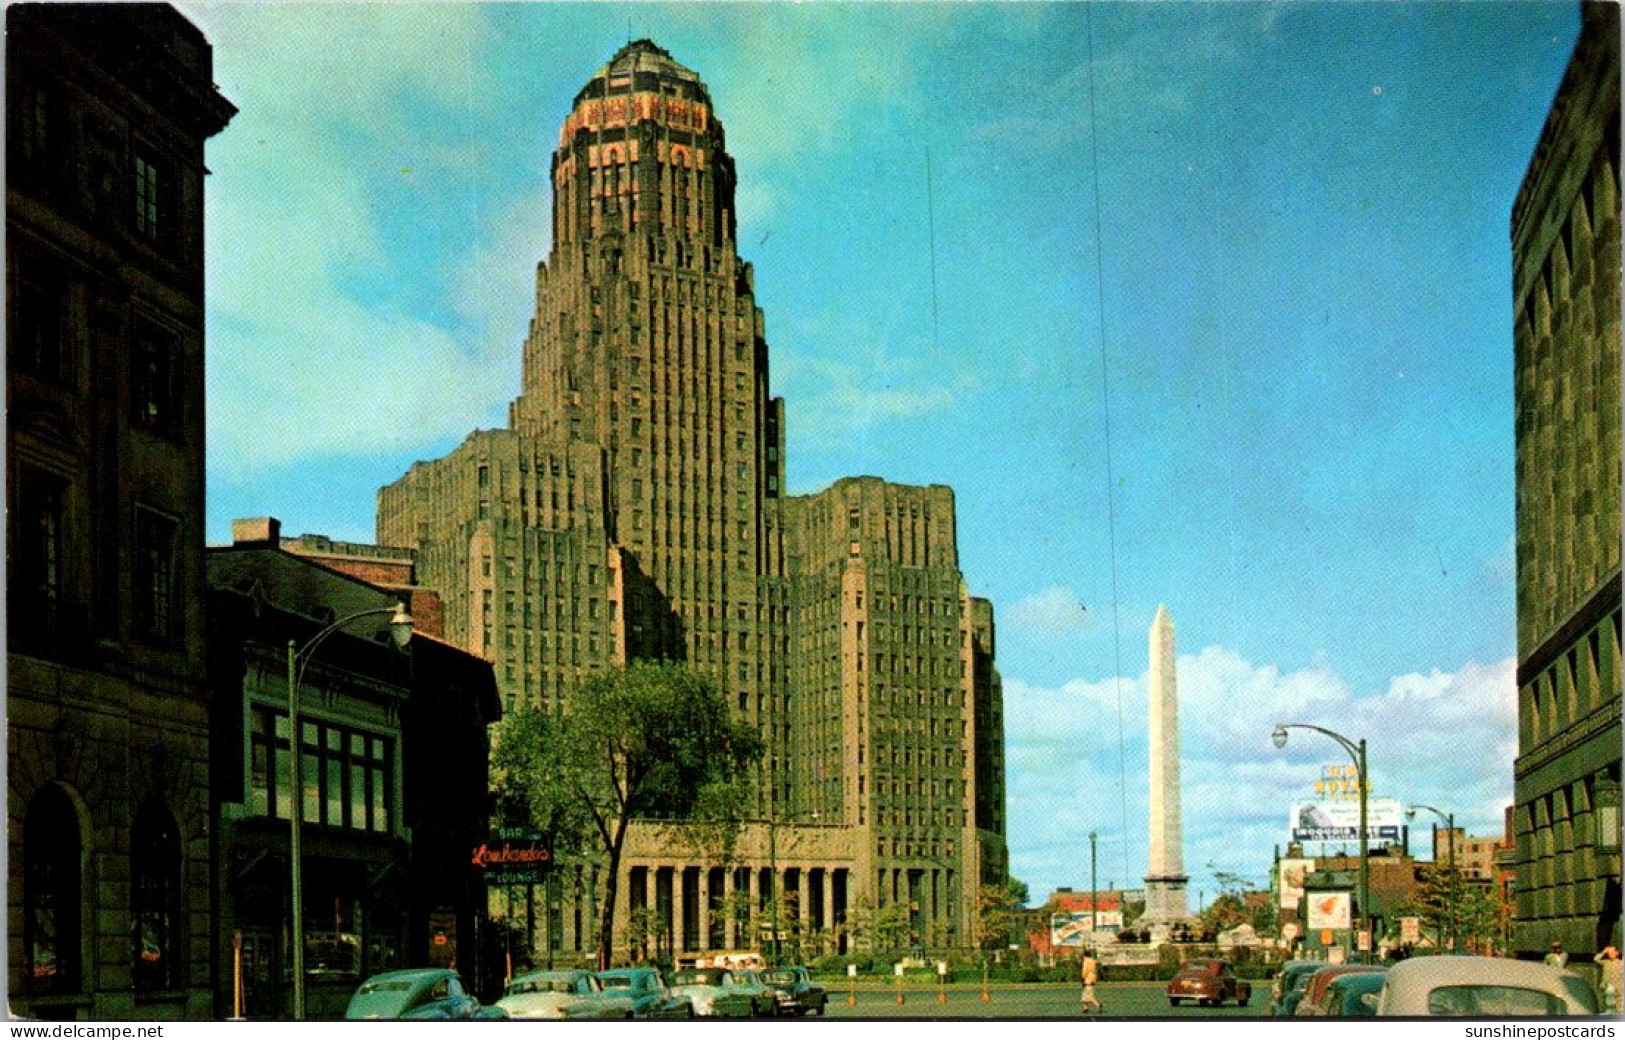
{"x": 819, "y": 1011}
{"x": 1172, "y": 1002}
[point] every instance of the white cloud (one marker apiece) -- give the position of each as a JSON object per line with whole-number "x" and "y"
{"x": 1443, "y": 738}
{"x": 1055, "y": 612}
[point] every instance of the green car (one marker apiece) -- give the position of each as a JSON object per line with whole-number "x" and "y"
{"x": 419, "y": 993}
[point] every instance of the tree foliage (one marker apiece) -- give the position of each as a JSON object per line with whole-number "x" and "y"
{"x": 652, "y": 741}
{"x": 996, "y": 912}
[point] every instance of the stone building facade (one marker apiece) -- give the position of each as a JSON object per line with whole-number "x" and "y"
{"x": 635, "y": 508}
{"x": 1566, "y": 306}
{"x": 107, "y": 827}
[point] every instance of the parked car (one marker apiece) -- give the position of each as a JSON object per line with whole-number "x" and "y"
{"x": 649, "y": 996}
{"x": 795, "y": 991}
{"x": 1314, "y": 987}
{"x": 416, "y": 993}
{"x": 763, "y": 994}
{"x": 721, "y": 993}
{"x": 562, "y": 994}
{"x": 1344, "y": 996}
{"x": 1286, "y": 982}
{"x": 1483, "y": 986}
{"x": 1208, "y": 982}
{"x": 1292, "y": 985}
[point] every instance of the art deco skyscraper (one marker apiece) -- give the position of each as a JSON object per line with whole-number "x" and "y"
{"x": 635, "y": 508}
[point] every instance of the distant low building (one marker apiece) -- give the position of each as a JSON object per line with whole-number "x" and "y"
{"x": 1070, "y": 922}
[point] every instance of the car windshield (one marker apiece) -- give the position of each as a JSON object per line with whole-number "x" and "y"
{"x": 387, "y": 986}
{"x": 698, "y": 977}
{"x": 542, "y": 984}
{"x": 780, "y": 977}
{"x": 1201, "y": 968}
{"x": 619, "y": 981}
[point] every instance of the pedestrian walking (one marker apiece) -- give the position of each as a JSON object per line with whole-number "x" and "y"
{"x": 1091, "y": 975}
{"x": 1559, "y": 957}
{"x": 1613, "y": 978}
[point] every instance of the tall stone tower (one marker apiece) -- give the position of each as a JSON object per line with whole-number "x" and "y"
{"x": 635, "y": 508}
{"x": 1165, "y": 904}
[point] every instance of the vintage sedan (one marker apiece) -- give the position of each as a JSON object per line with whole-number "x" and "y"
{"x": 795, "y": 992}
{"x": 1314, "y": 986}
{"x": 1345, "y": 995}
{"x": 1482, "y": 986}
{"x": 419, "y": 993}
{"x": 1284, "y": 996}
{"x": 562, "y": 994}
{"x": 649, "y": 996}
{"x": 1208, "y": 982}
{"x": 722, "y": 992}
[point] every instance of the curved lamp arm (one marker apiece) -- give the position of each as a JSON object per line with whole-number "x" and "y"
{"x": 1279, "y": 737}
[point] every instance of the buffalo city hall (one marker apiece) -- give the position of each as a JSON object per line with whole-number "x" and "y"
{"x": 635, "y": 508}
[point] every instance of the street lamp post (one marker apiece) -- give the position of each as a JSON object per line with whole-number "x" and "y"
{"x": 1357, "y": 752}
{"x": 1447, "y": 924}
{"x": 400, "y": 624}
{"x": 1094, "y": 893}
{"x": 773, "y": 876}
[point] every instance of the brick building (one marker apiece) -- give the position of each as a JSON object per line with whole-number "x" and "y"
{"x": 1566, "y": 312}
{"x": 395, "y": 748}
{"x": 107, "y": 826}
{"x": 635, "y": 508}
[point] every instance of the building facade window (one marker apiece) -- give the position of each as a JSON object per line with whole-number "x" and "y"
{"x": 155, "y": 875}
{"x": 156, "y": 396}
{"x": 36, "y": 594}
{"x": 348, "y": 773}
{"x": 157, "y": 611}
{"x": 51, "y": 893}
{"x": 151, "y": 190}
{"x": 39, "y": 324}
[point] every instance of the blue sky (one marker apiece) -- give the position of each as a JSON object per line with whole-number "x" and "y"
{"x": 1294, "y": 305}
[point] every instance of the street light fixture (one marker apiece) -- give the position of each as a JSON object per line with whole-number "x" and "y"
{"x": 773, "y": 875}
{"x": 400, "y": 631}
{"x": 1448, "y": 925}
{"x": 1356, "y": 751}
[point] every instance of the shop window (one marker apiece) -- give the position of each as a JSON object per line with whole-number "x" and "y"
{"x": 155, "y": 869}
{"x": 51, "y": 893}
{"x": 348, "y": 773}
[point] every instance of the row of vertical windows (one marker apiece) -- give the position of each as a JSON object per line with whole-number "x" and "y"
{"x": 348, "y": 773}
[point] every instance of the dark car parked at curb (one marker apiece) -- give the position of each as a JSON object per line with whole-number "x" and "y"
{"x": 797, "y": 993}
{"x": 1342, "y": 998}
{"x": 1208, "y": 982}
{"x": 1289, "y": 985}
{"x": 650, "y": 997}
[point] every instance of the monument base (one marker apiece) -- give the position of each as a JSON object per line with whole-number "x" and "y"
{"x": 1165, "y": 907}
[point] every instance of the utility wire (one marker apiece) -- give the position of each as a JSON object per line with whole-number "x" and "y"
{"x": 1106, "y": 410}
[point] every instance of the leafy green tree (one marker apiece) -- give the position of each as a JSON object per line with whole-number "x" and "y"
{"x": 996, "y": 911}
{"x": 652, "y": 741}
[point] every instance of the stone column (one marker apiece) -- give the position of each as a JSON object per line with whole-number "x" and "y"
{"x": 829, "y": 898}
{"x": 677, "y": 906}
{"x": 705, "y": 908}
{"x": 1165, "y": 882}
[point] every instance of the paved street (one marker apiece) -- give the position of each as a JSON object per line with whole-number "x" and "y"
{"x": 1121, "y": 1000}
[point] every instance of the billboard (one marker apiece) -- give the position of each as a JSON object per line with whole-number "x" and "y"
{"x": 1340, "y": 821}
{"x": 1329, "y": 910}
{"x": 1072, "y": 929}
{"x": 1291, "y": 881}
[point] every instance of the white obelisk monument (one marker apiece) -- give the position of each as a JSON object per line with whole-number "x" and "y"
{"x": 1165, "y": 904}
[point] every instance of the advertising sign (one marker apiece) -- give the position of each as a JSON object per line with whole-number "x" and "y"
{"x": 1291, "y": 881}
{"x": 1340, "y": 821}
{"x": 1072, "y": 929}
{"x": 1410, "y": 930}
{"x": 1329, "y": 910}
{"x": 514, "y": 856}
